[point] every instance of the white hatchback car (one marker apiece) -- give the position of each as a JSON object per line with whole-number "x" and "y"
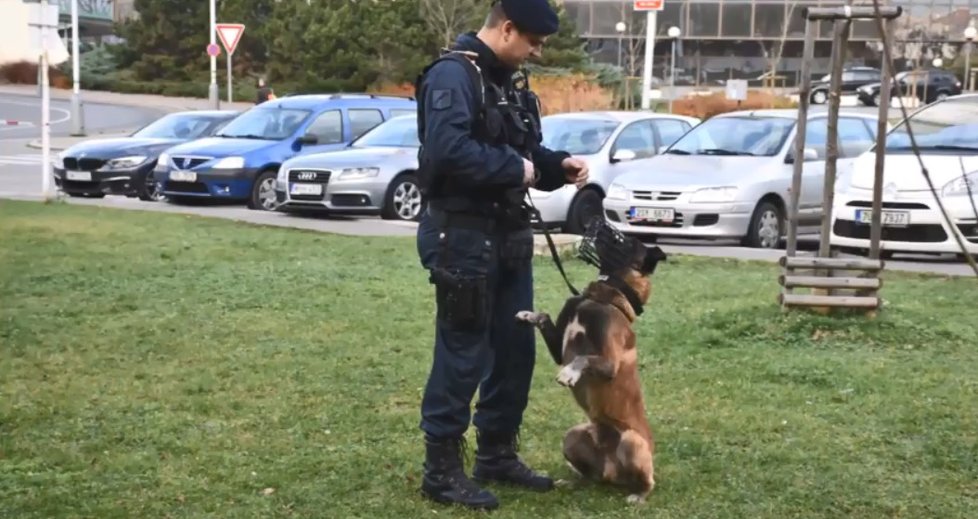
{"x": 607, "y": 141}
{"x": 946, "y": 133}
{"x": 730, "y": 177}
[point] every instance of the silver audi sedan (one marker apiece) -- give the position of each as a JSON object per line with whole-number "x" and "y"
{"x": 374, "y": 175}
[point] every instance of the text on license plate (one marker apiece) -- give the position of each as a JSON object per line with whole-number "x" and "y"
{"x": 306, "y": 189}
{"x": 889, "y": 218}
{"x": 84, "y": 176}
{"x": 183, "y": 176}
{"x": 658, "y": 214}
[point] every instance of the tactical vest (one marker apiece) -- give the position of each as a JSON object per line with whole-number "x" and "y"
{"x": 503, "y": 116}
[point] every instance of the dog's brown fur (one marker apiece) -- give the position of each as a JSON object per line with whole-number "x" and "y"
{"x": 597, "y": 347}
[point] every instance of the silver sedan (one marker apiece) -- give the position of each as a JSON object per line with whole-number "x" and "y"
{"x": 375, "y": 175}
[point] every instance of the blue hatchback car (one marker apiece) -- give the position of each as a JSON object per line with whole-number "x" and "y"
{"x": 241, "y": 161}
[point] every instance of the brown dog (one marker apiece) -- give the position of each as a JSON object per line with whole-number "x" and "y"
{"x": 594, "y": 343}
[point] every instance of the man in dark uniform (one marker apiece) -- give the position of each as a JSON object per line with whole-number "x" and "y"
{"x": 479, "y": 126}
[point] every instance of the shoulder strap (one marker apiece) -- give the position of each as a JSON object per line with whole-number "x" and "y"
{"x": 468, "y": 61}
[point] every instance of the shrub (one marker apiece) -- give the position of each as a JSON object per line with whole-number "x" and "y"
{"x": 706, "y": 106}
{"x": 25, "y": 73}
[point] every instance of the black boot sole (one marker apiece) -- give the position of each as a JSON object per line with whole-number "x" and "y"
{"x": 437, "y": 498}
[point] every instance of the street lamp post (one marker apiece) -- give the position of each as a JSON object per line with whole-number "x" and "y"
{"x": 212, "y": 91}
{"x": 969, "y": 35}
{"x": 673, "y": 33}
{"x": 77, "y": 112}
{"x": 620, "y": 29}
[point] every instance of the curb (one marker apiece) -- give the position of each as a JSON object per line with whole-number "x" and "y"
{"x": 564, "y": 243}
{"x": 36, "y": 143}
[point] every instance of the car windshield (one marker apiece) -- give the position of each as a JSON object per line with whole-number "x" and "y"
{"x": 736, "y": 135}
{"x": 577, "y": 136}
{"x": 265, "y": 123}
{"x": 400, "y": 132}
{"x": 178, "y": 126}
{"x": 950, "y": 126}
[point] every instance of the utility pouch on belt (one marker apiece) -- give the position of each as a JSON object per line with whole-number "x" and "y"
{"x": 517, "y": 248}
{"x": 462, "y": 299}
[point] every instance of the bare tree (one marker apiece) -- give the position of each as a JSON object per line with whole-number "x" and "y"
{"x": 777, "y": 50}
{"x": 448, "y": 18}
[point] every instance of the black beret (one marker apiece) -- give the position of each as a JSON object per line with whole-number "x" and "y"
{"x": 532, "y": 16}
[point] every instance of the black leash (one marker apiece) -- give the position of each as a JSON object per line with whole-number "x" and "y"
{"x": 550, "y": 242}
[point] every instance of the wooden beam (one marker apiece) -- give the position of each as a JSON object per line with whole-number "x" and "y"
{"x": 830, "y": 282}
{"x": 839, "y": 43}
{"x": 804, "y": 97}
{"x": 876, "y": 227}
{"x": 832, "y": 263}
{"x": 829, "y": 301}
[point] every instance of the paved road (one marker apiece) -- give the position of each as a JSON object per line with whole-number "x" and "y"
{"x": 21, "y": 117}
{"x": 20, "y": 178}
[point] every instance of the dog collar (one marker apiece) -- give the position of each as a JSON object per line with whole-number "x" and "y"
{"x": 629, "y": 293}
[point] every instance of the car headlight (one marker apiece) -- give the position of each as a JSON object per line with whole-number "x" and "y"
{"x": 58, "y": 161}
{"x": 617, "y": 192}
{"x": 162, "y": 162}
{"x": 714, "y": 195}
{"x": 229, "y": 163}
{"x": 281, "y": 179}
{"x": 961, "y": 185}
{"x": 126, "y": 162}
{"x": 358, "y": 173}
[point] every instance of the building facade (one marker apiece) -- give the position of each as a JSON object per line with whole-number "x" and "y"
{"x": 722, "y": 39}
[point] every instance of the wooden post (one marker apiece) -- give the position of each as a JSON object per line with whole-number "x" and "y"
{"x": 832, "y": 134}
{"x": 804, "y": 96}
{"x": 876, "y": 230}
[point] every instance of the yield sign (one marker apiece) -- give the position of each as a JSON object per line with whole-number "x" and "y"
{"x": 230, "y": 34}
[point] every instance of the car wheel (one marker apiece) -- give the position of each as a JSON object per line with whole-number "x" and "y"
{"x": 819, "y": 97}
{"x": 876, "y": 99}
{"x": 403, "y": 199}
{"x": 147, "y": 189}
{"x": 941, "y": 96}
{"x": 263, "y": 192}
{"x": 585, "y": 206}
{"x": 766, "y": 227}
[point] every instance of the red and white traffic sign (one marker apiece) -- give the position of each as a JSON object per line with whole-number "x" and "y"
{"x": 649, "y": 5}
{"x": 213, "y": 50}
{"x": 230, "y": 35}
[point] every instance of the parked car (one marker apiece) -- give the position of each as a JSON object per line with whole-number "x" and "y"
{"x": 375, "y": 175}
{"x": 730, "y": 177}
{"x": 928, "y": 85}
{"x": 947, "y": 134}
{"x": 610, "y": 142}
{"x": 124, "y": 165}
{"x": 242, "y": 160}
{"x": 852, "y": 79}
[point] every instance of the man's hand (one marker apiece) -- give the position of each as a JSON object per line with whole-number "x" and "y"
{"x": 575, "y": 170}
{"x": 529, "y": 173}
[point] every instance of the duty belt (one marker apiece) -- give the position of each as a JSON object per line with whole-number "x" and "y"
{"x": 443, "y": 218}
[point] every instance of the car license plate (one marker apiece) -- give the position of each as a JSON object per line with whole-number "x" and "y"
{"x": 84, "y": 176}
{"x": 306, "y": 189}
{"x": 889, "y": 218}
{"x": 657, "y": 214}
{"x": 183, "y": 176}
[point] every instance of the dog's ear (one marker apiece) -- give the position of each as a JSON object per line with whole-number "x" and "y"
{"x": 653, "y": 255}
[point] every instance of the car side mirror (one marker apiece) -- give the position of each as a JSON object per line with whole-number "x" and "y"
{"x": 623, "y": 156}
{"x": 308, "y": 138}
{"x": 808, "y": 154}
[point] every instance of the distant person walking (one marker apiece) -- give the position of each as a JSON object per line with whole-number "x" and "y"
{"x": 265, "y": 93}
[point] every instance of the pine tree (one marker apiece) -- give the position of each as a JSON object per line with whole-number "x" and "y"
{"x": 565, "y": 49}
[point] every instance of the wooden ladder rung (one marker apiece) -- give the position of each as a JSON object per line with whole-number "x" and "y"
{"x": 834, "y": 301}
{"x": 831, "y": 263}
{"x": 829, "y": 282}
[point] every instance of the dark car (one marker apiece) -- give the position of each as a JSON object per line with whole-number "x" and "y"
{"x": 928, "y": 85}
{"x": 124, "y": 165}
{"x": 852, "y": 79}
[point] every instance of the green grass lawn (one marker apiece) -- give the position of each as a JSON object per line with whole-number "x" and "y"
{"x": 159, "y": 365}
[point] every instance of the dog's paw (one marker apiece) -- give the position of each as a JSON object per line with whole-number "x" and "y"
{"x": 569, "y": 375}
{"x": 635, "y": 499}
{"x": 535, "y": 318}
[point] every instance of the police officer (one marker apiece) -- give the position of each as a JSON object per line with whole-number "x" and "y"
{"x": 479, "y": 126}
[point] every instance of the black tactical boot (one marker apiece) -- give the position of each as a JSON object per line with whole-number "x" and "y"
{"x": 444, "y": 476}
{"x": 496, "y": 460}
